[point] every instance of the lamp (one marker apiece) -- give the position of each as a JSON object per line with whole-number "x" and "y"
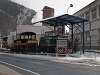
{"x": 71, "y": 5}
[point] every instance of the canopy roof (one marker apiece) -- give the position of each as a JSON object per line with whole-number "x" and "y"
{"x": 66, "y": 19}
{"x": 63, "y": 20}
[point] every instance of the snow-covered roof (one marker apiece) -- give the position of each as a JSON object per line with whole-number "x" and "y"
{"x": 62, "y": 20}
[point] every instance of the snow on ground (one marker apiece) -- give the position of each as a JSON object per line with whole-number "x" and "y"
{"x": 90, "y": 59}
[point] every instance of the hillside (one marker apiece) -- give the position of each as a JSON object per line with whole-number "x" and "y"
{"x": 12, "y": 14}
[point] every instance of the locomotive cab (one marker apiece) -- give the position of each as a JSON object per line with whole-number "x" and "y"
{"x": 25, "y": 42}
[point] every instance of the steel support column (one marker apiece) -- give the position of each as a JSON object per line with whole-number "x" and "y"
{"x": 72, "y": 37}
{"x": 83, "y": 46}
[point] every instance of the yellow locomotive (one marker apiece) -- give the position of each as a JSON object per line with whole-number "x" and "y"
{"x": 26, "y": 42}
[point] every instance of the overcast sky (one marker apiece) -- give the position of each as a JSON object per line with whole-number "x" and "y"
{"x": 60, "y": 6}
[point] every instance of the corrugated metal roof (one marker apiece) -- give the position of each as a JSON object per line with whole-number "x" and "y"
{"x": 63, "y": 20}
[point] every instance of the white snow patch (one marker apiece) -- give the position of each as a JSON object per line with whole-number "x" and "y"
{"x": 89, "y": 59}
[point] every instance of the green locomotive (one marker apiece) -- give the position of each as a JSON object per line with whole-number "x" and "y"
{"x": 47, "y": 44}
{"x": 50, "y": 44}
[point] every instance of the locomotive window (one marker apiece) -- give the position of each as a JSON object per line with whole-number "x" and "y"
{"x": 22, "y": 36}
{"x": 33, "y": 37}
{"x": 26, "y": 36}
{"x": 30, "y": 36}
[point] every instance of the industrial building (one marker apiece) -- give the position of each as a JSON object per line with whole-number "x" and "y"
{"x": 37, "y": 28}
{"x": 91, "y": 12}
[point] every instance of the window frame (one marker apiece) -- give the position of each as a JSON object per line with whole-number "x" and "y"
{"x": 94, "y": 13}
{"x": 82, "y": 16}
{"x": 87, "y": 36}
{"x": 87, "y": 15}
{"x": 99, "y": 10}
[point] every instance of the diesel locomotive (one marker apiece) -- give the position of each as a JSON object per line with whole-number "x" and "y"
{"x": 25, "y": 42}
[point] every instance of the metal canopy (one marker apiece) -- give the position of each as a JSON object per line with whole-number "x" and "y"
{"x": 67, "y": 19}
{"x": 63, "y": 20}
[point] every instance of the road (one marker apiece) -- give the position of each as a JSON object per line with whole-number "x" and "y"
{"x": 29, "y": 66}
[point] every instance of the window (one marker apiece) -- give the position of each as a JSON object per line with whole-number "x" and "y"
{"x": 87, "y": 36}
{"x": 99, "y": 34}
{"x": 94, "y": 13}
{"x": 99, "y": 10}
{"x": 87, "y": 15}
{"x": 30, "y": 36}
{"x": 82, "y": 16}
{"x": 26, "y": 36}
{"x": 22, "y": 36}
{"x": 33, "y": 37}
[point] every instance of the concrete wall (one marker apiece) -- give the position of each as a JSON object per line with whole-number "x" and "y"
{"x": 39, "y": 30}
{"x": 31, "y": 28}
{"x": 11, "y": 38}
{"x": 93, "y": 25}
